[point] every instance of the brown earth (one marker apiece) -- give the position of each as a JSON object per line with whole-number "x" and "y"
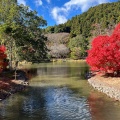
{"x": 9, "y": 85}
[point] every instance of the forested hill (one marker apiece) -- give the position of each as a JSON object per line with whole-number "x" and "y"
{"x": 102, "y": 16}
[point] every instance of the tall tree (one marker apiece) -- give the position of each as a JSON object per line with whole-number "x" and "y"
{"x": 8, "y": 14}
{"x": 78, "y": 46}
{"x": 20, "y": 32}
{"x": 29, "y": 39}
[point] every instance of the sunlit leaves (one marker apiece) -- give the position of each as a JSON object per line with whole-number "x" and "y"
{"x": 3, "y": 63}
{"x": 20, "y": 32}
{"x": 78, "y": 46}
{"x": 8, "y": 11}
{"x": 105, "y": 52}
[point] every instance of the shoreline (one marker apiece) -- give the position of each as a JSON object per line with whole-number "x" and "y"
{"x": 107, "y": 85}
{"x": 9, "y": 85}
{"x": 67, "y": 60}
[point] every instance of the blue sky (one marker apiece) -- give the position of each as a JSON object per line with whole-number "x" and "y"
{"x": 59, "y": 11}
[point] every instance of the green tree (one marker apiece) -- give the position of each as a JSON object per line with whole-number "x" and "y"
{"x": 8, "y": 14}
{"x": 75, "y": 53}
{"x": 20, "y": 32}
{"x": 8, "y": 11}
{"x": 49, "y": 29}
{"x": 78, "y": 46}
{"x": 29, "y": 38}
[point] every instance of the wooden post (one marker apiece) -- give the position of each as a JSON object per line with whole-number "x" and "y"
{"x": 16, "y": 64}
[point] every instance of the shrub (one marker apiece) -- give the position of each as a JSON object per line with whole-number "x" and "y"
{"x": 104, "y": 54}
{"x": 3, "y": 56}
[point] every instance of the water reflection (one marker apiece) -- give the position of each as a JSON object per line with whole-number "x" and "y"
{"x": 103, "y": 108}
{"x": 66, "y": 106}
{"x": 59, "y": 92}
{"x": 55, "y": 104}
{"x": 64, "y": 70}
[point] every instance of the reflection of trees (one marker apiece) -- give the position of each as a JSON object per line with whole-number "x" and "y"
{"x": 83, "y": 72}
{"x": 32, "y": 72}
{"x": 63, "y": 71}
{"x": 102, "y": 107}
{"x": 79, "y": 72}
{"x": 28, "y": 107}
{"x": 96, "y": 106}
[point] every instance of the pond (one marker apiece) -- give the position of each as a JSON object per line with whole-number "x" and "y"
{"x": 59, "y": 91}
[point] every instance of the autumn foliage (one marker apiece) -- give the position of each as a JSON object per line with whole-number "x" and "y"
{"x": 105, "y": 53}
{"x": 3, "y": 63}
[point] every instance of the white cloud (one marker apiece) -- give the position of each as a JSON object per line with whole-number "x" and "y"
{"x": 24, "y": 3}
{"x": 48, "y": 1}
{"x": 21, "y": 2}
{"x": 38, "y": 2}
{"x": 60, "y": 13}
{"x": 83, "y": 4}
{"x": 56, "y": 13}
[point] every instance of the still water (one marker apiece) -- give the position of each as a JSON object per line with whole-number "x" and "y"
{"x": 59, "y": 91}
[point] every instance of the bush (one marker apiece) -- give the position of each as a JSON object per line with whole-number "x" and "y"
{"x": 3, "y": 63}
{"x": 78, "y": 46}
{"x": 105, "y": 53}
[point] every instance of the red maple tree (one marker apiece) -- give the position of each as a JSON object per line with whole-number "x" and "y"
{"x": 104, "y": 54}
{"x": 3, "y": 56}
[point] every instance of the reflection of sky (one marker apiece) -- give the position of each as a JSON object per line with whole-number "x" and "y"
{"x": 55, "y": 104}
{"x": 50, "y": 102}
{"x": 65, "y": 106}
{"x": 67, "y": 101}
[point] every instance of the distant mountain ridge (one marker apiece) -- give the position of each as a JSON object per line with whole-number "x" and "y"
{"x": 105, "y": 15}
